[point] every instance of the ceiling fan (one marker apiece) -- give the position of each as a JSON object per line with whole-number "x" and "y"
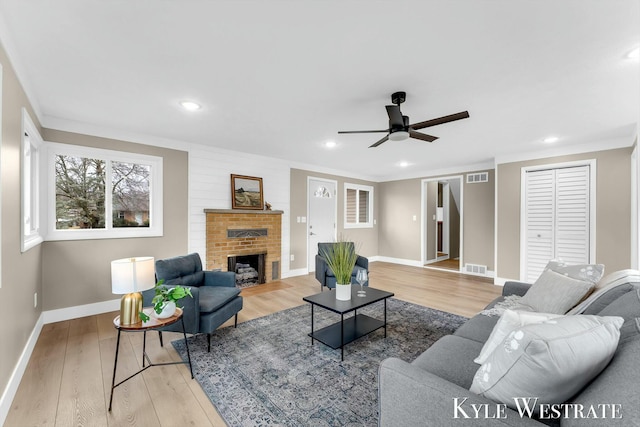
{"x": 399, "y": 127}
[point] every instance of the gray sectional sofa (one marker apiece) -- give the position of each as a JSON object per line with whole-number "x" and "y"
{"x": 425, "y": 392}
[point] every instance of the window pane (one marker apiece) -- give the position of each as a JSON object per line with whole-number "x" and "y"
{"x": 80, "y": 192}
{"x": 130, "y": 183}
{"x": 351, "y": 206}
{"x": 363, "y": 206}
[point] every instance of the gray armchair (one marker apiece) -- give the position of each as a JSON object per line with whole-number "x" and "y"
{"x": 325, "y": 276}
{"x": 215, "y": 296}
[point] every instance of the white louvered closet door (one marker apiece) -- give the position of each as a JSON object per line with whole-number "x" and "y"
{"x": 557, "y": 206}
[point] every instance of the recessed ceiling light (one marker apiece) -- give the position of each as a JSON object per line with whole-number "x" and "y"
{"x": 190, "y": 105}
{"x": 550, "y": 139}
{"x": 404, "y": 164}
{"x": 330, "y": 144}
{"x": 634, "y": 54}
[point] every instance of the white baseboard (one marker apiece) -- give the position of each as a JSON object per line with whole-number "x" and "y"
{"x": 409, "y": 262}
{"x": 58, "y": 315}
{"x": 16, "y": 376}
{"x": 294, "y": 273}
{"x": 500, "y": 281}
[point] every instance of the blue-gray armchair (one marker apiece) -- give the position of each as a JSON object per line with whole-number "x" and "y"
{"x": 324, "y": 274}
{"x": 215, "y": 296}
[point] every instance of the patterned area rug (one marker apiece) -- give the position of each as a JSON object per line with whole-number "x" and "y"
{"x": 265, "y": 372}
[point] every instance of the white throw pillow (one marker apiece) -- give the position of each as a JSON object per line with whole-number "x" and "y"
{"x": 550, "y": 361}
{"x": 589, "y": 272}
{"x": 556, "y": 293}
{"x": 510, "y": 320}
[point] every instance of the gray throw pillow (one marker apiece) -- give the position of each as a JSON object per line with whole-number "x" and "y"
{"x": 556, "y": 293}
{"x": 552, "y": 360}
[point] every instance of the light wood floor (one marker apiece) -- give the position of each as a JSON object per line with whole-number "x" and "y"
{"x": 68, "y": 379}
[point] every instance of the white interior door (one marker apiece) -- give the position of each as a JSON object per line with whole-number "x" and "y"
{"x": 321, "y": 216}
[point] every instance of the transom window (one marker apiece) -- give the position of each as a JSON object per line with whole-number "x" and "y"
{"x": 358, "y": 206}
{"x": 99, "y": 193}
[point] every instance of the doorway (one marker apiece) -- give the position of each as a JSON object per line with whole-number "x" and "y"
{"x": 442, "y": 223}
{"x": 322, "y": 213}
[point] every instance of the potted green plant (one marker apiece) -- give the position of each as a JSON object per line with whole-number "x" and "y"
{"x": 341, "y": 258}
{"x": 164, "y": 301}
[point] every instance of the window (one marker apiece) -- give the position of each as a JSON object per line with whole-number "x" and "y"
{"x": 30, "y": 187}
{"x": 97, "y": 193}
{"x": 358, "y": 206}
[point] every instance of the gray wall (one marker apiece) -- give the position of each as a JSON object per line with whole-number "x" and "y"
{"x": 400, "y": 235}
{"x": 613, "y": 210}
{"x": 366, "y": 238}
{"x": 21, "y": 272}
{"x": 78, "y": 272}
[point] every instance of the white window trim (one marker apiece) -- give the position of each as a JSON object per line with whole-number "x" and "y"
{"x": 155, "y": 228}
{"x": 30, "y": 157}
{"x": 358, "y": 187}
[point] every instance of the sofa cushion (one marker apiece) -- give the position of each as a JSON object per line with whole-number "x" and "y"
{"x": 629, "y": 330}
{"x": 451, "y": 358}
{"x": 615, "y": 385}
{"x": 214, "y": 297}
{"x": 556, "y": 293}
{"x": 626, "y": 306}
{"x": 510, "y": 320}
{"x": 478, "y": 328}
{"x": 552, "y": 360}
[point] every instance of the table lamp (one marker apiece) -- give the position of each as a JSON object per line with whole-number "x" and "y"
{"x": 130, "y": 276}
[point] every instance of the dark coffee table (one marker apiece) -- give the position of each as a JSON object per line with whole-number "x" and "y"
{"x": 347, "y": 330}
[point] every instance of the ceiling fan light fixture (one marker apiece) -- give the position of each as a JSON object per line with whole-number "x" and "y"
{"x": 400, "y": 135}
{"x": 190, "y": 105}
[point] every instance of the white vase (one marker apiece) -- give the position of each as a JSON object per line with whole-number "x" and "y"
{"x": 343, "y": 292}
{"x": 168, "y": 310}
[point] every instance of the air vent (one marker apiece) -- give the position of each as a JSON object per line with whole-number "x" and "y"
{"x": 476, "y": 269}
{"x": 473, "y": 178}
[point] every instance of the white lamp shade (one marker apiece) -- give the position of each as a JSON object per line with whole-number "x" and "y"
{"x": 132, "y": 275}
{"x": 399, "y": 135}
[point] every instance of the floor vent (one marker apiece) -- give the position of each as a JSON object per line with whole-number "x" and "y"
{"x": 473, "y": 178}
{"x": 475, "y": 269}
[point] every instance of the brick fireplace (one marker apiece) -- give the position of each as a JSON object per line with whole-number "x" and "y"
{"x": 237, "y": 233}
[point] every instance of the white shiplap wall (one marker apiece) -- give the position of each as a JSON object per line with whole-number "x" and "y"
{"x": 210, "y": 188}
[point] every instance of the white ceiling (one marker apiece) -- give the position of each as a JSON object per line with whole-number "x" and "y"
{"x": 280, "y": 78}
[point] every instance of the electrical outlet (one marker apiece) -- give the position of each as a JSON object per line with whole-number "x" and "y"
{"x": 293, "y": 257}
{"x": 35, "y": 300}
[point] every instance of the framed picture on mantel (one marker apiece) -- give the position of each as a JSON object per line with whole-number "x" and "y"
{"x": 246, "y": 192}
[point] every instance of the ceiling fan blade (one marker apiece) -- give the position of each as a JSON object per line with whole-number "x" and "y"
{"x": 421, "y": 136}
{"x": 395, "y": 116}
{"x": 363, "y": 131}
{"x": 385, "y": 139}
{"x": 440, "y": 120}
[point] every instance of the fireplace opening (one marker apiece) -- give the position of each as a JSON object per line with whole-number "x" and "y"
{"x": 249, "y": 269}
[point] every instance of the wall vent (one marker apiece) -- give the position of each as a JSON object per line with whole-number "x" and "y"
{"x": 473, "y": 178}
{"x": 475, "y": 269}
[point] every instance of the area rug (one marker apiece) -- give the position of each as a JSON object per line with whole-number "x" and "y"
{"x": 265, "y": 372}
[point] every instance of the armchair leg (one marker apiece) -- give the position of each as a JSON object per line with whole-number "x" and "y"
{"x": 160, "y": 336}
{"x": 235, "y": 322}
{"x": 208, "y": 343}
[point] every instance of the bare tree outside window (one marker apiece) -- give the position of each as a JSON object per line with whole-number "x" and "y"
{"x": 80, "y": 192}
{"x": 81, "y": 201}
{"x": 130, "y": 192}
